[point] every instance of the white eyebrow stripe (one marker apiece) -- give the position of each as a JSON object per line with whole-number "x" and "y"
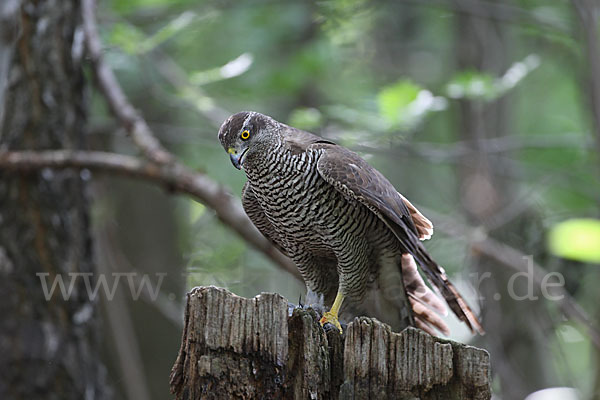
{"x": 250, "y": 115}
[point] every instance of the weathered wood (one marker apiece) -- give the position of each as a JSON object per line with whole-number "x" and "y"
{"x": 254, "y": 349}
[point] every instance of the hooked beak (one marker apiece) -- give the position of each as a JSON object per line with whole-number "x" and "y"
{"x": 237, "y": 158}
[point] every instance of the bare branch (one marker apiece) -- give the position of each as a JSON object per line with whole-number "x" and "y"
{"x": 514, "y": 259}
{"x": 493, "y": 146}
{"x": 203, "y": 189}
{"x": 161, "y": 167}
{"x": 173, "y": 176}
{"x": 133, "y": 122}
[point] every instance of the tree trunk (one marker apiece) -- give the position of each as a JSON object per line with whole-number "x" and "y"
{"x": 253, "y": 349}
{"x": 47, "y": 342}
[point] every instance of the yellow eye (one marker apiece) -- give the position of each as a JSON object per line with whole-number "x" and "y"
{"x": 245, "y": 135}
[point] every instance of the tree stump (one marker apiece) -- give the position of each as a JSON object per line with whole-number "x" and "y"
{"x": 234, "y": 347}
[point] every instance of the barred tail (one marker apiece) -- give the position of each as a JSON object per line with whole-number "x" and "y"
{"x": 437, "y": 276}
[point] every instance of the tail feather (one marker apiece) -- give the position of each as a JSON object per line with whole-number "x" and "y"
{"x": 437, "y": 276}
{"x": 461, "y": 309}
{"x": 426, "y": 318}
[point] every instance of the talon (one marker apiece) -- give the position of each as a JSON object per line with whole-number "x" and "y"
{"x": 331, "y": 318}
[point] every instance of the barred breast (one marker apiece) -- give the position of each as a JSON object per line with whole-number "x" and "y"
{"x": 319, "y": 228}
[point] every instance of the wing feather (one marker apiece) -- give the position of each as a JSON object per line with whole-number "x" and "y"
{"x": 423, "y": 225}
{"x": 357, "y": 180}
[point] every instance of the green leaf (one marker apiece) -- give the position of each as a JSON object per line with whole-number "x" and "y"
{"x": 405, "y": 104}
{"x": 393, "y": 100}
{"x": 577, "y": 239}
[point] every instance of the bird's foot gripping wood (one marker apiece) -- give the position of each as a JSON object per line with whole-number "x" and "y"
{"x": 331, "y": 316}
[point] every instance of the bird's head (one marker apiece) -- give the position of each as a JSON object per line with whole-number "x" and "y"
{"x": 245, "y": 133}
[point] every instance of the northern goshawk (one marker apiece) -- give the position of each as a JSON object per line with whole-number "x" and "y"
{"x": 353, "y": 237}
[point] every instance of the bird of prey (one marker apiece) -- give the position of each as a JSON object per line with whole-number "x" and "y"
{"x": 352, "y": 235}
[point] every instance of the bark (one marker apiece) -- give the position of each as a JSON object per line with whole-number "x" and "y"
{"x": 253, "y": 348}
{"x": 47, "y": 346}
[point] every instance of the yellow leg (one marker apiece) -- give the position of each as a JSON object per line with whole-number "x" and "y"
{"x": 332, "y": 315}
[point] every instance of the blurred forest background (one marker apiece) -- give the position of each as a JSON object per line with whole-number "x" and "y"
{"x": 485, "y": 114}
